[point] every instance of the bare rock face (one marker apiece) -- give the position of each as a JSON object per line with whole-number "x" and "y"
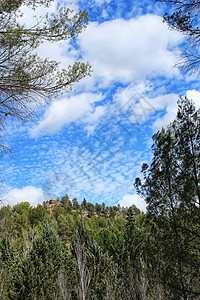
{"x": 52, "y": 204}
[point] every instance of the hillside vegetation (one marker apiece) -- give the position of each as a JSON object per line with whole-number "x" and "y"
{"x": 64, "y": 250}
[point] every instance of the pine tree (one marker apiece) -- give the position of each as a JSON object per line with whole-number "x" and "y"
{"x": 6, "y": 264}
{"x": 96, "y": 272}
{"x": 40, "y": 268}
{"x": 171, "y": 190}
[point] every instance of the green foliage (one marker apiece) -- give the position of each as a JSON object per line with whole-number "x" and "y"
{"x": 7, "y": 261}
{"x": 96, "y": 271}
{"x": 40, "y": 268}
{"x": 171, "y": 190}
{"x": 66, "y": 202}
{"x": 98, "y": 208}
{"x": 131, "y": 256}
{"x": 110, "y": 240}
{"x": 114, "y": 253}
{"x": 6, "y": 251}
{"x": 37, "y": 215}
{"x": 76, "y": 205}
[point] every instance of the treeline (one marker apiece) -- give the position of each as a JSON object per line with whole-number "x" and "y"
{"x": 85, "y": 208}
{"x": 60, "y": 251}
{"x": 22, "y": 222}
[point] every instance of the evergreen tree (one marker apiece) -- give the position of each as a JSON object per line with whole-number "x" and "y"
{"x": 97, "y": 273}
{"x": 7, "y": 262}
{"x": 187, "y": 132}
{"x": 66, "y": 202}
{"x": 76, "y": 205}
{"x": 84, "y": 204}
{"x": 171, "y": 190}
{"x": 40, "y": 268}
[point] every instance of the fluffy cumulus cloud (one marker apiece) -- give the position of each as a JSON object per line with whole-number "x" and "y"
{"x": 27, "y": 194}
{"x": 123, "y": 50}
{"x": 77, "y": 108}
{"x": 63, "y": 53}
{"x": 130, "y": 199}
{"x": 194, "y": 96}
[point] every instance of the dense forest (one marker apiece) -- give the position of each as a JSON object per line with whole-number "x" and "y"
{"x": 66, "y": 250}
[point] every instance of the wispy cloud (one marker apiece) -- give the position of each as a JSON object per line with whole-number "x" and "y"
{"x": 77, "y": 108}
{"x": 100, "y": 135}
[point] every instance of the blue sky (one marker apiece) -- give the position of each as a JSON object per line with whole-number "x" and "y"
{"x": 91, "y": 142}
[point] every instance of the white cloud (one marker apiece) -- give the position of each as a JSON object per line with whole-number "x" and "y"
{"x": 195, "y": 96}
{"x": 125, "y": 50}
{"x": 142, "y": 107}
{"x": 100, "y": 2}
{"x": 27, "y": 194}
{"x": 62, "y": 53}
{"x": 169, "y": 103}
{"x": 77, "y": 108}
{"x": 92, "y": 118}
{"x": 31, "y": 17}
{"x": 132, "y": 93}
{"x": 130, "y": 199}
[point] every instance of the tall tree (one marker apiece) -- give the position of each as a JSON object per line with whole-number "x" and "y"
{"x": 97, "y": 273}
{"x": 83, "y": 258}
{"x": 174, "y": 175}
{"x": 66, "y": 202}
{"x": 171, "y": 190}
{"x": 6, "y": 262}
{"x": 40, "y": 269}
{"x": 187, "y": 132}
